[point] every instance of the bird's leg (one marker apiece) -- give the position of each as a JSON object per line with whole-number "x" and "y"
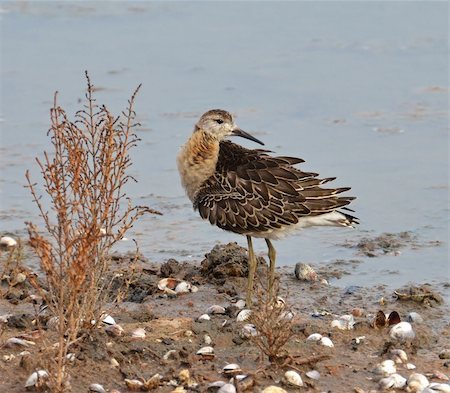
{"x": 251, "y": 271}
{"x": 272, "y": 256}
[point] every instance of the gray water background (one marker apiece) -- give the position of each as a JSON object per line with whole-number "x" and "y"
{"x": 357, "y": 89}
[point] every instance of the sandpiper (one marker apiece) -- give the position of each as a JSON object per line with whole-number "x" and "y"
{"x": 250, "y": 192}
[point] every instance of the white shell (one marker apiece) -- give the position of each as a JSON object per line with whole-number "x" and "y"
{"x": 108, "y": 319}
{"x": 97, "y": 388}
{"x": 35, "y": 377}
{"x": 248, "y": 330}
{"x": 273, "y": 389}
{"x": 292, "y": 378}
{"x": 216, "y": 384}
{"x": 227, "y": 388}
{"x": 437, "y": 388}
{"x": 205, "y": 351}
{"x": 402, "y": 332}
{"x": 410, "y": 366}
{"x": 169, "y": 354}
{"x": 314, "y": 337}
{"x": 134, "y": 384}
{"x": 17, "y": 342}
{"x": 204, "y": 317}
{"x": 215, "y": 309}
{"x": 183, "y": 287}
{"x": 326, "y": 342}
{"x": 313, "y": 374}
{"x": 393, "y": 381}
{"x": 398, "y": 355}
{"x": 138, "y": 333}
{"x": 287, "y": 315}
{"x": 71, "y": 357}
{"x": 7, "y": 241}
{"x": 345, "y": 322}
{"x": 414, "y": 317}
{"x": 168, "y": 284}
{"x": 207, "y": 339}
{"x": 416, "y": 383}
{"x": 243, "y": 315}
{"x": 231, "y": 368}
{"x": 385, "y": 368}
{"x": 240, "y": 304}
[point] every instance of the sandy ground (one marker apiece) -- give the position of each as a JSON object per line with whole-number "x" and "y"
{"x": 174, "y": 333}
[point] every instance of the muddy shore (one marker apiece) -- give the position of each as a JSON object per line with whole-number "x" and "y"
{"x": 173, "y": 333}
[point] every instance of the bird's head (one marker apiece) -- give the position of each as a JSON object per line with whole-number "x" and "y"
{"x": 219, "y": 124}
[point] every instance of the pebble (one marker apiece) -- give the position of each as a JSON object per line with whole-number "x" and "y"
{"x": 207, "y": 339}
{"x": 444, "y": 354}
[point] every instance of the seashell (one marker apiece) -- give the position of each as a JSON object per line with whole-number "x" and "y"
{"x": 18, "y": 279}
{"x": 244, "y": 382}
{"x": 153, "y": 382}
{"x": 248, "y": 330}
{"x": 345, "y": 322}
{"x": 227, "y": 388}
{"x": 414, "y": 317}
{"x": 207, "y": 339}
{"x": 170, "y": 354}
{"x": 71, "y": 357}
{"x": 134, "y": 384}
{"x": 96, "y": 387}
{"x": 183, "y": 287}
{"x": 385, "y": 368}
{"x": 393, "y": 381}
{"x": 398, "y": 355}
{"x": 231, "y": 369}
{"x": 189, "y": 333}
{"x": 8, "y": 358}
{"x": 17, "y": 342}
{"x": 416, "y": 383}
{"x": 37, "y": 379}
{"x": 287, "y": 316}
{"x": 108, "y": 319}
{"x": 313, "y": 374}
{"x": 216, "y": 384}
{"x": 280, "y": 302}
{"x": 273, "y": 389}
{"x": 114, "y": 330}
{"x": 243, "y": 315}
{"x": 410, "y": 366}
{"x": 314, "y": 337}
{"x": 215, "y": 309}
{"x": 240, "y": 304}
{"x": 205, "y": 351}
{"x": 203, "y": 317}
{"x": 292, "y": 378}
{"x": 168, "y": 283}
{"x": 7, "y": 242}
{"x": 326, "y": 342}
{"x": 305, "y": 272}
{"x": 402, "y": 332}
{"x": 435, "y": 387}
{"x": 114, "y": 363}
{"x": 138, "y": 333}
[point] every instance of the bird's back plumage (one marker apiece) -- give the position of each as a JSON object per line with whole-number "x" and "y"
{"x": 256, "y": 194}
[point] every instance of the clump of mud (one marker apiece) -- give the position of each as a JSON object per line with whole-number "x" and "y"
{"x": 229, "y": 260}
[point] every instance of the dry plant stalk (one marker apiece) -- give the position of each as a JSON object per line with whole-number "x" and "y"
{"x": 84, "y": 179}
{"x": 273, "y": 323}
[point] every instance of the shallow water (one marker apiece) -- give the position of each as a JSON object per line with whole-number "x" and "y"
{"x": 359, "y": 90}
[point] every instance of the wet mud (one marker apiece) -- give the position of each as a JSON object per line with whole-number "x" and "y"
{"x": 163, "y": 332}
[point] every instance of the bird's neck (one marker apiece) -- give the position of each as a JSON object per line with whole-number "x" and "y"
{"x": 197, "y": 161}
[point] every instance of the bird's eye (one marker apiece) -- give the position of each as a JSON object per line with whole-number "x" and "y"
{"x": 219, "y": 121}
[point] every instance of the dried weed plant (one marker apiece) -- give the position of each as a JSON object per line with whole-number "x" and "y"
{"x": 83, "y": 178}
{"x": 273, "y": 322}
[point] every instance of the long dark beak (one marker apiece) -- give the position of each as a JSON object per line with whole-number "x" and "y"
{"x": 246, "y": 135}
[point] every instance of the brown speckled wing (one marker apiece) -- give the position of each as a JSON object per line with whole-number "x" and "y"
{"x": 252, "y": 191}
